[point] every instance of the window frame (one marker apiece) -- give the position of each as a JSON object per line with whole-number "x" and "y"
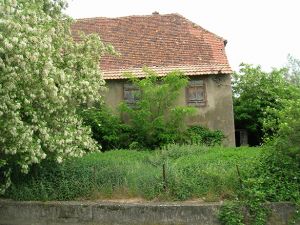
{"x": 196, "y": 83}
{"x": 129, "y": 86}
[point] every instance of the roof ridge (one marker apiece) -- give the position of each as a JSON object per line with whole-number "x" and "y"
{"x": 198, "y": 26}
{"x": 121, "y": 17}
{"x": 155, "y": 15}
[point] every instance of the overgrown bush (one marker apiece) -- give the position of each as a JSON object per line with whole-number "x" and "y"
{"x": 255, "y": 93}
{"x": 107, "y": 128}
{"x": 155, "y": 118}
{"x": 287, "y": 139}
{"x": 111, "y": 133}
{"x": 277, "y": 175}
{"x": 231, "y": 214}
{"x": 191, "y": 172}
{"x": 153, "y": 121}
{"x": 275, "y": 178}
{"x": 202, "y": 135}
{"x": 279, "y": 172}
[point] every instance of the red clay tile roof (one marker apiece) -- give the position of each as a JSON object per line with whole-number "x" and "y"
{"x": 160, "y": 42}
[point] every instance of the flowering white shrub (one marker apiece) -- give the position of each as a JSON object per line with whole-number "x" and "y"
{"x": 44, "y": 77}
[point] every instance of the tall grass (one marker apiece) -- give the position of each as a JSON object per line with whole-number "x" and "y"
{"x": 191, "y": 172}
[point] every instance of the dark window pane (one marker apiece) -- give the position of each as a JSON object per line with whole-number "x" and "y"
{"x": 131, "y": 93}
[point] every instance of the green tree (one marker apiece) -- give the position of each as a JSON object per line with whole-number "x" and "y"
{"x": 293, "y": 72}
{"x": 257, "y": 97}
{"x": 276, "y": 176}
{"x": 44, "y": 77}
{"x": 287, "y": 138}
{"x": 155, "y": 118}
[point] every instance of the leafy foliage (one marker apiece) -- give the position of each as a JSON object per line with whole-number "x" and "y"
{"x": 276, "y": 177}
{"x": 111, "y": 133}
{"x": 287, "y": 138}
{"x": 153, "y": 121}
{"x": 204, "y": 136}
{"x": 231, "y": 214}
{"x": 155, "y": 118}
{"x": 283, "y": 162}
{"x": 255, "y": 93}
{"x": 293, "y": 72}
{"x": 107, "y": 128}
{"x": 192, "y": 171}
{"x": 45, "y": 77}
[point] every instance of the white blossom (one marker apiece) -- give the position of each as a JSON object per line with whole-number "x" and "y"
{"x": 39, "y": 96}
{"x": 24, "y": 168}
{"x": 43, "y": 156}
{"x": 59, "y": 159}
{"x": 7, "y": 45}
{"x": 15, "y": 40}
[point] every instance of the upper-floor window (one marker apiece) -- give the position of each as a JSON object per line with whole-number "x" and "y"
{"x": 131, "y": 93}
{"x": 196, "y": 93}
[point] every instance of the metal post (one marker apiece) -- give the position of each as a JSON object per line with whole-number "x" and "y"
{"x": 239, "y": 175}
{"x": 164, "y": 178}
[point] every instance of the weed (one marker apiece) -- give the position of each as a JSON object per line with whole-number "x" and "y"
{"x": 190, "y": 172}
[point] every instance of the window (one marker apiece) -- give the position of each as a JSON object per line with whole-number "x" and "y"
{"x": 196, "y": 95}
{"x": 131, "y": 93}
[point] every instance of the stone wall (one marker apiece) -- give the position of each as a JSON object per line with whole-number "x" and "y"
{"x": 109, "y": 213}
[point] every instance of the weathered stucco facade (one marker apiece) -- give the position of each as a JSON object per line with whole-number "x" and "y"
{"x": 216, "y": 114}
{"x": 165, "y": 43}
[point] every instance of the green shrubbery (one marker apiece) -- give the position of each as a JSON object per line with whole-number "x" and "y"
{"x": 191, "y": 172}
{"x": 203, "y": 136}
{"x": 107, "y": 128}
{"x": 153, "y": 121}
{"x": 111, "y": 133}
{"x": 257, "y": 97}
{"x": 267, "y": 104}
{"x": 276, "y": 177}
{"x": 155, "y": 118}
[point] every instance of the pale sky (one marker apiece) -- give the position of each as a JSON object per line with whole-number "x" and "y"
{"x": 260, "y": 32}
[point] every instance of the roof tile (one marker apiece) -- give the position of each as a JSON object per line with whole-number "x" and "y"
{"x": 160, "y": 42}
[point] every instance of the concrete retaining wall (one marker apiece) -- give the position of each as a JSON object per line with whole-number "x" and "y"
{"x": 106, "y": 213}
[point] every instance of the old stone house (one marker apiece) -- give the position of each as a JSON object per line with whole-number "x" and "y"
{"x": 164, "y": 43}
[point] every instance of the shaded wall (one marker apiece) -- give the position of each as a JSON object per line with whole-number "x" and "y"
{"x": 217, "y": 114}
